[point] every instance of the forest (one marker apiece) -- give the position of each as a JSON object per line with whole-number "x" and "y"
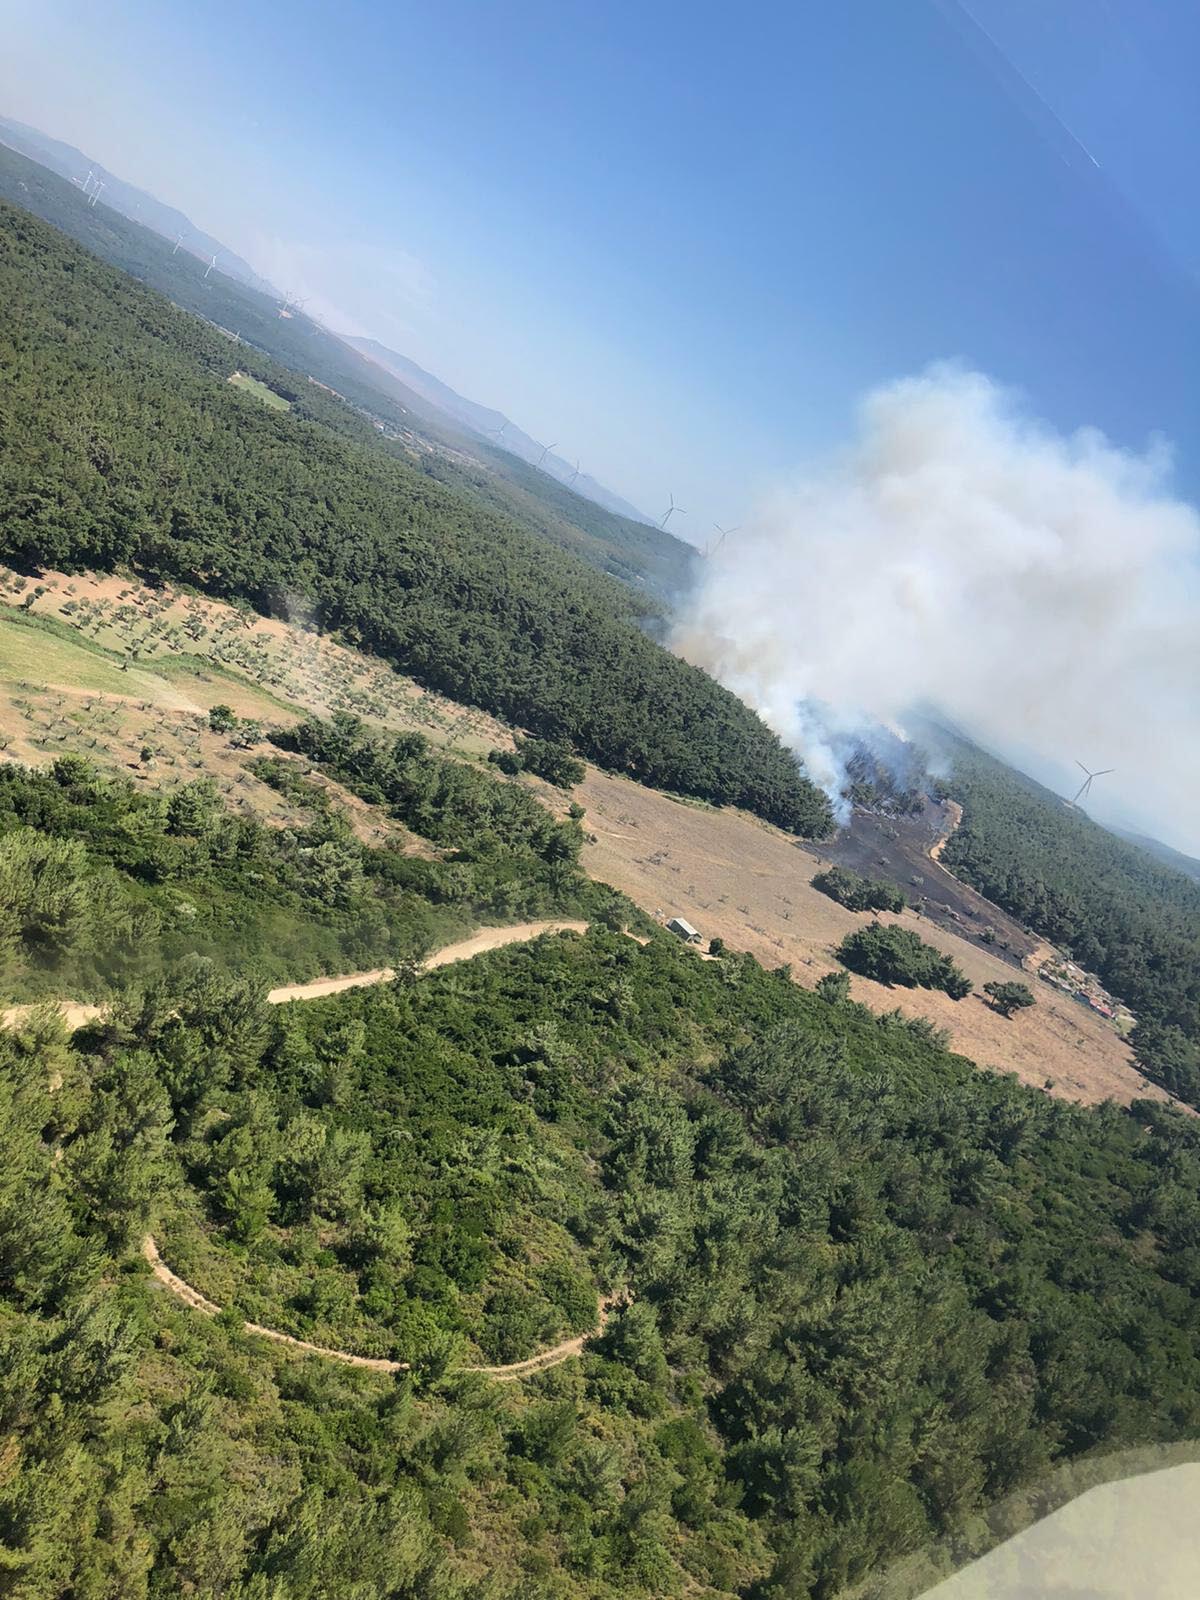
{"x": 125, "y": 445}
{"x": 1122, "y": 913}
{"x": 650, "y": 560}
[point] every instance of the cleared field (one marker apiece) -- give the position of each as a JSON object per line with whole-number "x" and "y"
{"x": 738, "y": 879}
{"x": 260, "y": 391}
{"x": 65, "y": 696}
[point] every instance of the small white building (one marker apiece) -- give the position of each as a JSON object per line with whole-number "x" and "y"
{"x": 684, "y": 930}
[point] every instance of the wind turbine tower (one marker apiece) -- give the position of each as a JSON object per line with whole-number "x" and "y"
{"x": 96, "y": 192}
{"x": 574, "y": 474}
{"x": 210, "y": 266}
{"x": 178, "y": 242}
{"x": 1082, "y": 792}
{"x": 712, "y": 549}
{"x": 670, "y": 512}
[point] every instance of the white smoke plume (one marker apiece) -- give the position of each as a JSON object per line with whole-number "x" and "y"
{"x": 1043, "y": 591}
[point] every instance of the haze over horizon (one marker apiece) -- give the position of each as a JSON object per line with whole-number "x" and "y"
{"x": 694, "y": 298}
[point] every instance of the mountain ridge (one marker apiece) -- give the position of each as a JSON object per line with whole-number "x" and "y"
{"x": 491, "y": 424}
{"x": 138, "y": 205}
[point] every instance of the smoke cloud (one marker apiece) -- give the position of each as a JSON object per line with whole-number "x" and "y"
{"x": 1042, "y": 591}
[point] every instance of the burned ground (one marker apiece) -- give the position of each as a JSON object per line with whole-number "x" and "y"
{"x": 897, "y": 850}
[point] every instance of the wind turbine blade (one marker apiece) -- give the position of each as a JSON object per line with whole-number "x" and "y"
{"x": 1082, "y": 768}
{"x": 1104, "y": 772}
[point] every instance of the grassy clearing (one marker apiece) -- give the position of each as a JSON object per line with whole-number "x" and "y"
{"x": 38, "y": 650}
{"x": 243, "y": 380}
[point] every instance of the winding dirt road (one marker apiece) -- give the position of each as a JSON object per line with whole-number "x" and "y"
{"x": 75, "y": 1014}
{"x": 503, "y": 1374}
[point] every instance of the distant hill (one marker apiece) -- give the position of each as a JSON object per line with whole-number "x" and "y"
{"x": 144, "y": 208}
{"x": 492, "y": 425}
{"x": 131, "y": 202}
{"x": 649, "y": 560}
{"x": 1175, "y": 859}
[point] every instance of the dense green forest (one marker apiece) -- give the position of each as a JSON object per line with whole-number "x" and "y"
{"x": 869, "y": 1289}
{"x": 1122, "y": 913}
{"x": 123, "y": 444}
{"x": 645, "y": 557}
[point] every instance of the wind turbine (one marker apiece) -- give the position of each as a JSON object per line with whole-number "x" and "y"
{"x": 87, "y": 182}
{"x": 724, "y": 532}
{"x": 178, "y": 242}
{"x": 546, "y": 449}
{"x": 209, "y": 267}
{"x": 670, "y": 512}
{"x": 1081, "y": 792}
{"x": 100, "y": 186}
{"x": 574, "y": 475}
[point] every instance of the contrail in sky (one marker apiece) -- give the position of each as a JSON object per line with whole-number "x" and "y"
{"x": 969, "y": 23}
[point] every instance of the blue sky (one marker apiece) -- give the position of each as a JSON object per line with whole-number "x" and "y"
{"x": 682, "y": 240}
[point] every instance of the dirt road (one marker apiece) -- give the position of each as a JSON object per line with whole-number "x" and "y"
{"x": 486, "y": 939}
{"x": 954, "y": 815}
{"x": 75, "y": 1013}
{"x": 503, "y": 1374}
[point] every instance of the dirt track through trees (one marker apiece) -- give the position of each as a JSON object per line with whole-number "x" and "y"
{"x": 75, "y": 1013}
{"x": 514, "y": 1370}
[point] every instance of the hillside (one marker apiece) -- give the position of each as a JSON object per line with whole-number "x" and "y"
{"x": 803, "y": 1377}
{"x": 131, "y": 202}
{"x": 1175, "y": 859}
{"x": 1121, "y": 911}
{"x": 128, "y": 445}
{"x": 123, "y": 674}
{"x": 399, "y": 420}
{"x": 796, "y": 1374}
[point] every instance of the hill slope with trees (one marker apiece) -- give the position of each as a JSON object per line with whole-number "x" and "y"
{"x": 652, "y": 561}
{"x": 125, "y": 444}
{"x": 870, "y": 1289}
{"x": 1122, "y": 913}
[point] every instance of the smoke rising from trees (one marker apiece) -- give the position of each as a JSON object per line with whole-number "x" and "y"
{"x": 1043, "y": 591}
